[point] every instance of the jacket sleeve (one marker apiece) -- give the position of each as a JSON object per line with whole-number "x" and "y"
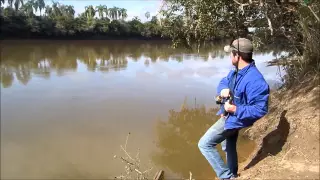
{"x": 257, "y": 94}
{"x": 224, "y": 83}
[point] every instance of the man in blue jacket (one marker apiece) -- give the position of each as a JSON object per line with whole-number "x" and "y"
{"x": 250, "y": 94}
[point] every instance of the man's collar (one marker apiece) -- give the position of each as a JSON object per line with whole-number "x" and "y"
{"x": 244, "y": 70}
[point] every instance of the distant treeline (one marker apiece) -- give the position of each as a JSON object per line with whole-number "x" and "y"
{"x": 18, "y": 20}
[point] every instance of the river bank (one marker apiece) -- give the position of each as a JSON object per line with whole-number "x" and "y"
{"x": 288, "y": 137}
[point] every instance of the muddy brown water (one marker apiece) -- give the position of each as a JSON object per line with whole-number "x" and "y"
{"x": 67, "y": 106}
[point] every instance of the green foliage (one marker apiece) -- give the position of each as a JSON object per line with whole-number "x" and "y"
{"x": 147, "y": 14}
{"x": 190, "y": 22}
{"x": 59, "y": 20}
{"x": 136, "y": 26}
{"x": 152, "y": 29}
{"x": 296, "y": 23}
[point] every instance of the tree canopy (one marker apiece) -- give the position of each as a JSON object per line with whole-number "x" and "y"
{"x": 293, "y": 22}
{"x": 19, "y": 20}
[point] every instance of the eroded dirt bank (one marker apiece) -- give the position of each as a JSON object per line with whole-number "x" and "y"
{"x": 288, "y": 137}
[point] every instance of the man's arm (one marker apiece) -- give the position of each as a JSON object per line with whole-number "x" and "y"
{"x": 258, "y": 97}
{"x": 223, "y": 83}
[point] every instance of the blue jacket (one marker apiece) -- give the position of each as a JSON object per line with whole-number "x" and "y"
{"x": 251, "y": 96}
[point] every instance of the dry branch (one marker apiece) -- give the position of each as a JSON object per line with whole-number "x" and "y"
{"x": 315, "y": 15}
{"x": 132, "y": 165}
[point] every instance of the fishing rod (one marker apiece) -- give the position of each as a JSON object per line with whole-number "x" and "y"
{"x": 219, "y": 99}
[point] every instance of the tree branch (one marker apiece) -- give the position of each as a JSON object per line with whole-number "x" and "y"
{"x": 125, "y": 146}
{"x": 268, "y": 19}
{"x": 127, "y": 153}
{"x": 315, "y": 15}
{"x": 269, "y": 23}
{"x": 246, "y": 4}
{"x": 147, "y": 170}
{"x": 241, "y": 5}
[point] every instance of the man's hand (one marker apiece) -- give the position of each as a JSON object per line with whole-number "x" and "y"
{"x": 225, "y": 93}
{"x": 230, "y": 107}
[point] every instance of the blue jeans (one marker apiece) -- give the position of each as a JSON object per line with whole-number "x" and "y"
{"x": 228, "y": 138}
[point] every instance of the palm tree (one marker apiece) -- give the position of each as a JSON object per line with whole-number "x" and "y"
{"x": 116, "y": 13}
{"x": 17, "y": 3}
{"x": 67, "y": 10}
{"x": 10, "y": 3}
{"x": 124, "y": 14}
{"x": 112, "y": 13}
{"x": 28, "y": 8}
{"x": 106, "y": 10}
{"x": 41, "y": 5}
{"x": 35, "y": 4}
{"x": 90, "y": 12}
{"x": 118, "y": 10}
{"x": 70, "y": 11}
{"x": 147, "y": 15}
{"x": 1, "y": 3}
{"x": 100, "y": 10}
{"x": 48, "y": 11}
{"x": 56, "y": 9}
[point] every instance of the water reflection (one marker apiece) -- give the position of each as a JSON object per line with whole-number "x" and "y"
{"x": 22, "y": 60}
{"x": 102, "y": 90}
{"x": 178, "y": 138}
{"x": 6, "y": 78}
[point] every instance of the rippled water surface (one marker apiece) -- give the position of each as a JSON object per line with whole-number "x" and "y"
{"x": 67, "y": 106}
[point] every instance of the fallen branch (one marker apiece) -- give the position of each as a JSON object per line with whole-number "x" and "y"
{"x": 127, "y": 153}
{"x": 125, "y": 146}
{"x": 147, "y": 170}
{"x": 132, "y": 165}
{"x": 138, "y": 171}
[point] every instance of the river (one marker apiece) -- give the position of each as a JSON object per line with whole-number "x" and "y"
{"x": 68, "y": 106}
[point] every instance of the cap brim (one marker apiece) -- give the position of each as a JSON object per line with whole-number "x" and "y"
{"x": 228, "y": 48}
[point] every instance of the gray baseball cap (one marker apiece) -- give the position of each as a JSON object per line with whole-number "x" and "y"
{"x": 245, "y": 45}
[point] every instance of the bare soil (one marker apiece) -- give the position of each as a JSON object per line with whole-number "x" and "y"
{"x": 288, "y": 137}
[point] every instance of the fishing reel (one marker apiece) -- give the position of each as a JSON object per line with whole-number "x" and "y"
{"x": 220, "y": 100}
